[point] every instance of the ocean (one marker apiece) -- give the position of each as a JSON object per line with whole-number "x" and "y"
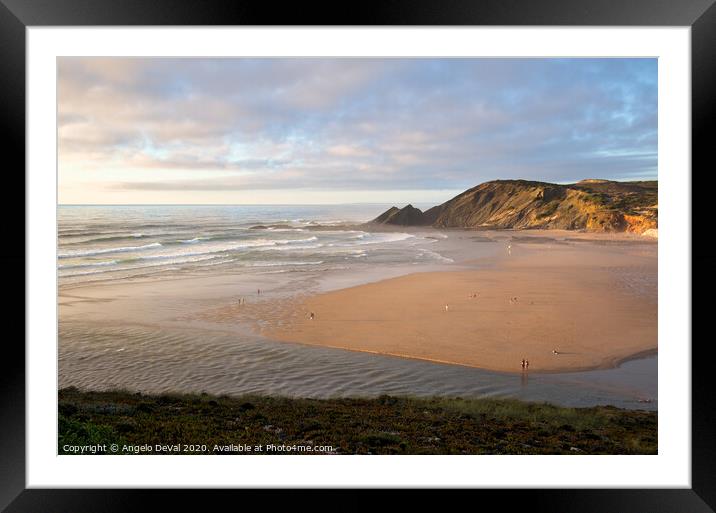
{"x": 104, "y": 243}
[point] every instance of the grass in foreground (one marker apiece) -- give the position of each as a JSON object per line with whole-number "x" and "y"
{"x": 203, "y": 424}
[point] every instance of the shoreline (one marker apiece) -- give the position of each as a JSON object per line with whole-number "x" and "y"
{"x": 611, "y": 364}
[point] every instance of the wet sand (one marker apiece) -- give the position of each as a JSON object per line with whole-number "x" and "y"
{"x": 595, "y": 304}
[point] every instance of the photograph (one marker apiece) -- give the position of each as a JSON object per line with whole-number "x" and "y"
{"x": 357, "y": 255}
{"x": 396, "y": 246}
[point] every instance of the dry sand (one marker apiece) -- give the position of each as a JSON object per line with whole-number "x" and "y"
{"x": 595, "y": 304}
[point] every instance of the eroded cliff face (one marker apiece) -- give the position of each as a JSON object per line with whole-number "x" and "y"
{"x": 592, "y": 205}
{"x": 640, "y": 223}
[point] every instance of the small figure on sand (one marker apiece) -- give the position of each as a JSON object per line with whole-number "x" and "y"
{"x": 554, "y": 351}
{"x": 258, "y": 291}
{"x": 513, "y": 300}
{"x": 509, "y": 249}
{"x": 523, "y": 363}
{"x": 241, "y": 301}
{"x": 446, "y": 307}
{"x": 312, "y": 316}
{"x": 527, "y": 364}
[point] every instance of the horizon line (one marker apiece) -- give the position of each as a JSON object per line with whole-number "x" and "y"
{"x": 350, "y": 203}
{"x": 214, "y": 204}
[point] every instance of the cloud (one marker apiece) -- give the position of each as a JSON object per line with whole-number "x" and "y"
{"x": 373, "y": 124}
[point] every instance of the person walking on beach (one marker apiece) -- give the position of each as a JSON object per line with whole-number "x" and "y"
{"x": 523, "y": 364}
{"x": 509, "y": 249}
{"x": 312, "y": 316}
{"x": 527, "y": 364}
{"x": 258, "y": 291}
{"x": 446, "y": 307}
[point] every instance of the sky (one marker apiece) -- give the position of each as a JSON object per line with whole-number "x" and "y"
{"x": 345, "y": 130}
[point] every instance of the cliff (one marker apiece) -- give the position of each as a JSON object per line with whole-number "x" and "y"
{"x": 591, "y": 205}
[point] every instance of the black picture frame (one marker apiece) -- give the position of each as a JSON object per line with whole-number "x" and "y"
{"x": 17, "y": 15}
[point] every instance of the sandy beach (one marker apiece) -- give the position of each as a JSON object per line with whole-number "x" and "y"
{"x": 591, "y": 300}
